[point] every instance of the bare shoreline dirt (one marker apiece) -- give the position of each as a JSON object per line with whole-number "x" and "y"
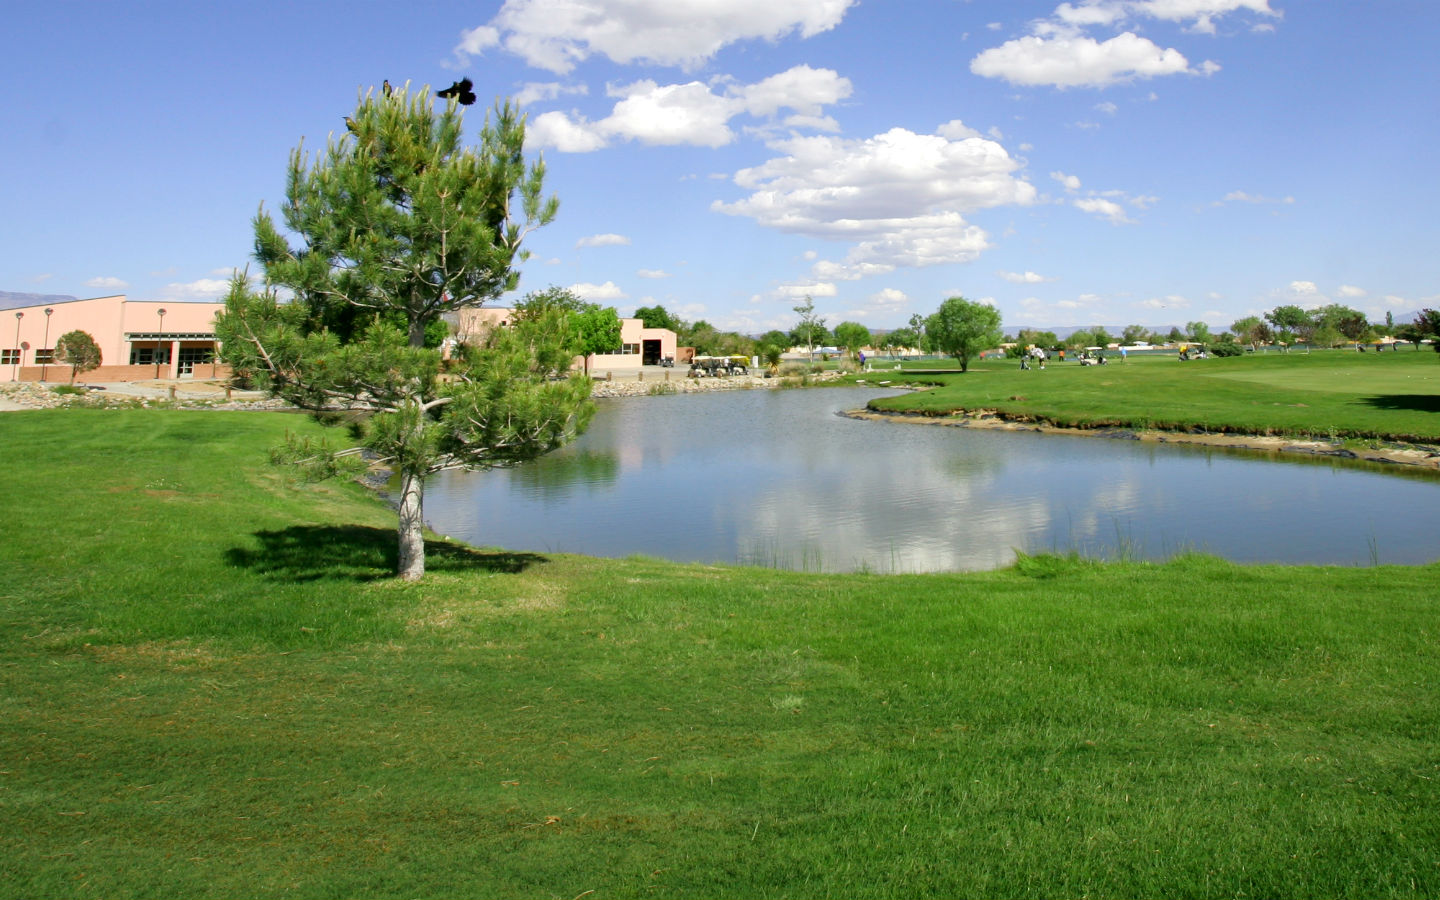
{"x": 1391, "y": 453}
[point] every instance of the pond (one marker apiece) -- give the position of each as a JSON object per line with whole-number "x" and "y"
{"x": 778, "y": 478}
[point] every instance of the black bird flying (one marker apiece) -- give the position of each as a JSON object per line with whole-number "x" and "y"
{"x": 461, "y": 91}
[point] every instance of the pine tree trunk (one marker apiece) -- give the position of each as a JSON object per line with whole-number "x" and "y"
{"x": 411, "y": 563}
{"x": 417, "y": 333}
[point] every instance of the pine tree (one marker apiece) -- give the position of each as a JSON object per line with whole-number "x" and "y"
{"x": 399, "y": 218}
{"x": 400, "y": 224}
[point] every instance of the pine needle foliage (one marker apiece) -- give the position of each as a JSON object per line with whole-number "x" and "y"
{"x": 401, "y": 223}
{"x": 398, "y": 216}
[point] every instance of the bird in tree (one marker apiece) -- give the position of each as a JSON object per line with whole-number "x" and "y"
{"x": 461, "y": 91}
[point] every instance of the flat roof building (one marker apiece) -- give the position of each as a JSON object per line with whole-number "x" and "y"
{"x": 138, "y": 339}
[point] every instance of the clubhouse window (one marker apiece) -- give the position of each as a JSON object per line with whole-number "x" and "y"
{"x": 146, "y": 356}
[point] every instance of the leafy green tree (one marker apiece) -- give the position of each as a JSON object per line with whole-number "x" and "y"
{"x": 1199, "y": 332}
{"x": 598, "y": 331}
{"x": 78, "y": 350}
{"x": 817, "y": 336}
{"x": 1045, "y": 339}
{"x": 1134, "y": 334}
{"x": 402, "y": 221}
{"x": 703, "y": 336}
{"x": 1426, "y": 325}
{"x": 1323, "y": 334}
{"x": 591, "y": 328}
{"x": 902, "y": 339}
{"x": 1175, "y": 335}
{"x": 852, "y": 336}
{"x": 1080, "y": 339}
{"x": 917, "y": 325}
{"x": 1351, "y": 323}
{"x": 1253, "y": 330}
{"x": 776, "y": 338}
{"x": 962, "y": 329}
{"x": 1291, "y": 322}
{"x": 1101, "y": 336}
{"x": 658, "y": 316}
{"x": 811, "y": 328}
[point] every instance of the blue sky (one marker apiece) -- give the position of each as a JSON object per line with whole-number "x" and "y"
{"x": 1076, "y": 163}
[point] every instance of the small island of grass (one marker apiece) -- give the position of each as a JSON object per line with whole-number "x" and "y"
{"x": 1368, "y": 400}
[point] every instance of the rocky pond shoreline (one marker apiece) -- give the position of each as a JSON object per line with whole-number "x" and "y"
{"x": 1385, "y": 452}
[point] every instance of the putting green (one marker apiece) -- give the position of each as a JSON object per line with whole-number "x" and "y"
{"x": 1355, "y": 378}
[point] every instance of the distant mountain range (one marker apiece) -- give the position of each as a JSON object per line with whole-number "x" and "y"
{"x": 15, "y": 299}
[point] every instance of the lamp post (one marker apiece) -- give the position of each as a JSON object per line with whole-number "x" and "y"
{"x": 50, "y": 351}
{"x": 15, "y": 372}
{"x": 160, "y": 337}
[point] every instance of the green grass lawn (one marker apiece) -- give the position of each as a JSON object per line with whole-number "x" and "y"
{"x": 1332, "y": 393}
{"x": 209, "y": 686}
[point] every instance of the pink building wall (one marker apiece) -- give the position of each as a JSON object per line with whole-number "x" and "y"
{"x": 118, "y": 327}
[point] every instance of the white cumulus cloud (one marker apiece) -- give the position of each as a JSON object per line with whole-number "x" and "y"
{"x": 1070, "y": 182}
{"x": 1105, "y": 209}
{"x": 672, "y": 114}
{"x": 889, "y": 299}
{"x": 1245, "y": 197}
{"x": 535, "y": 92}
{"x": 694, "y": 113}
{"x": 108, "y": 283}
{"x": 1023, "y": 277}
{"x": 603, "y": 240}
{"x": 563, "y": 133}
{"x": 200, "y": 289}
{"x": 897, "y": 198}
{"x": 594, "y": 292}
{"x": 559, "y": 34}
{"x": 1078, "y": 61}
{"x": 1058, "y": 52}
{"x": 1198, "y": 15}
{"x": 804, "y": 89}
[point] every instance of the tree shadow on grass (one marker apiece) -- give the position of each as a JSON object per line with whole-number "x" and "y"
{"x": 358, "y": 553}
{"x": 1405, "y": 402}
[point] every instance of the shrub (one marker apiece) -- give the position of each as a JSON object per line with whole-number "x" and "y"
{"x": 1227, "y": 348}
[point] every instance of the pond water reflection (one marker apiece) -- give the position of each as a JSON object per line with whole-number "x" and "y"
{"x": 776, "y": 478}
